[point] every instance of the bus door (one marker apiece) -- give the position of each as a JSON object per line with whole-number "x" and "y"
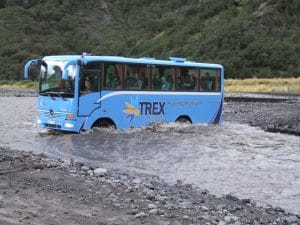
{"x": 89, "y": 92}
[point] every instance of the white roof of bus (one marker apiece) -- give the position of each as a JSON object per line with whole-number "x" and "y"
{"x": 145, "y": 60}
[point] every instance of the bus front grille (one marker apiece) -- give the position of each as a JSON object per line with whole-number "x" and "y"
{"x": 53, "y": 126}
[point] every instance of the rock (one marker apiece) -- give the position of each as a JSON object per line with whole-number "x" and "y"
{"x": 230, "y": 219}
{"x": 136, "y": 181}
{"x": 78, "y": 163}
{"x": 179, "y": 182}
{"x": 141, "y": 215}
{"x": 26, "y": 154}
{"x": 53, "y": 164}
{"x": 185, "y": 217}
{"x": 222, "y": 222}
{"x": 90, "y": 172}
{"x": 72, "y": 171}
{"x": 153, "y": 211}
{"x": 39, "y": 166}
{"x": 204, "y": 208}
{"x": 151, "y": 206}
{"x": 67, "y": 163}
{"x": 85, "y": 168}
{"x": 129, "y": 200}
{"x": 230, "y": 197}
{"x": 100, "y": 172}
{"x": 278, "y": 209}
{"x": 291, "y": 219}
{"x": 246, "y": 201}
{"x": 185, "y": 205}
{"x": 43, "y": 155}
{"x": 150, "y": 195}
{"x": 2, "y": 204}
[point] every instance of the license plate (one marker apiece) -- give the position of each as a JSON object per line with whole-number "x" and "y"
{"x": 52, "y": 122}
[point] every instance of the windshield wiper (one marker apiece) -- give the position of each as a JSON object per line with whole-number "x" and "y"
{"x": 51, "y": 93}
{"x": 58, "y": 93}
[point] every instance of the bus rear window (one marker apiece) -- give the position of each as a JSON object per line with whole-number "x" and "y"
{"x": 210, "y": 80}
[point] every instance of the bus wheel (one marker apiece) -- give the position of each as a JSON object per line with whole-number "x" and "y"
{"x": 105, "y": 123}
{"x": 184, "y": 119}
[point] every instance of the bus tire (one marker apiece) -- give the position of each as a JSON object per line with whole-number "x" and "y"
{"x": 105, "y": 123}
{"x": 183, "y": 119}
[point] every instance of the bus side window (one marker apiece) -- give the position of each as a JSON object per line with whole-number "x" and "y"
{"x": 162, "y": 78}
{"x": 112, "y": 76}
{"x": 209, "y": 80}
{"x": 88, "y": 83}
{"x": 186, "y": 79}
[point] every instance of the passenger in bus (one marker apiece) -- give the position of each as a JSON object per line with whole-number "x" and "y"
{"x": 156, "y": 83}
{"x": 139, "y": 83}
{"x": 130, "y": 81}
{"x": 115, "y": 82}
{"x": 206, "y": 82}
{"x": 188, "y": 83}
{"x": 144, "y": 80}
{"x": 165, "y": 85}
{"x": 58, "y": 76}
{"x": 87, "y": 84}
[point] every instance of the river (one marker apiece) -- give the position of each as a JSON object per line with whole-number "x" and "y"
{"x": 231, "y": 158}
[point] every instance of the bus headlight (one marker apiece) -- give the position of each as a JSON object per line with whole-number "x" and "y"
{"x": 69, "y": 125}
{"x": 39, "y": 121}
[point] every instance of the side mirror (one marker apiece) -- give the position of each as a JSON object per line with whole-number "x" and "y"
{"x": 30, "y": 63}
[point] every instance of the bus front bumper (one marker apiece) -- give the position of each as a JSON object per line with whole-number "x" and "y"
{"x": 57, "y": 121}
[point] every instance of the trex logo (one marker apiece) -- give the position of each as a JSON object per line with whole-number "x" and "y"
{"x": 152, "y": 108}
{"x": 136, "y": 108}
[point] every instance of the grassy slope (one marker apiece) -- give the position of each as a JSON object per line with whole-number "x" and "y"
{"x": 259, "y": 38}
{"x": 279, "y": 85}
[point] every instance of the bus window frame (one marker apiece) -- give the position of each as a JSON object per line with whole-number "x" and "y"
{"x": 219, "y": 76}
{"x": 138, "y": 66}
{"x": 150, "y": 68}
{"x": 179, "y": 74}
{"x": 93, "y": 72}
{"x": 170, "y": 67}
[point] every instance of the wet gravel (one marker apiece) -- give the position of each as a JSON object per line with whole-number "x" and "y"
{"x": 6, "y": 92}
{"x": 273, "y": 113}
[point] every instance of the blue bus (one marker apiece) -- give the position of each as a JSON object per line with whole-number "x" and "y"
{"x": 79, "y": 92}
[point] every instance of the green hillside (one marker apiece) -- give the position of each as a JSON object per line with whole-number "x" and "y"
{"x": 258, "y": 38}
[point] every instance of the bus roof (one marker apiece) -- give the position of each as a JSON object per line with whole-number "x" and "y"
{"x": 144, "y": 60}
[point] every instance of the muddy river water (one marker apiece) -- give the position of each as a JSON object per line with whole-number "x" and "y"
{"x": 233, "y": 158}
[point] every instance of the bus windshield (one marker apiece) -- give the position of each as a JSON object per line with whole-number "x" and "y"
{"x": 51, "y": 82}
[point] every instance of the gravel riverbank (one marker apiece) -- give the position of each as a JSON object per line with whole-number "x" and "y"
{"x": 38, "y": 190}
{"x": 273, "y": 113}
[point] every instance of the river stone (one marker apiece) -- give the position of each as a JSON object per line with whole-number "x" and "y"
{"x": 85, "y": 168}
{"x": 136, "y": 181}
{"x": 153, "y": 211}
{"x": 99, "y": 172}
{"x": 2, "y": 204}
{"x": 152, "y": 206}
{"x": 141, "y": 215}
{"x": 291, "y": 219}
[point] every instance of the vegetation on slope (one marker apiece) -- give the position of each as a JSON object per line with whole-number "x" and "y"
{"x": 277, "y": 85}
{"x": 254, "y": 38}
